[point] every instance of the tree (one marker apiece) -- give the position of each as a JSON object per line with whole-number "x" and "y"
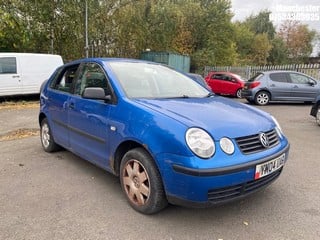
{"x": 279, "y": 52}
{"x": 261, "y": 23}
{"x": 298, "y": 40}
{"x": 260, "y": 49}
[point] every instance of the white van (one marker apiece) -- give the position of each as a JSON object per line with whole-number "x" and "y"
{"x": 23, "y": 73}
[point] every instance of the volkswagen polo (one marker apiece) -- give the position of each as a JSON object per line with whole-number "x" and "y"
{"x": 167, "y": 137}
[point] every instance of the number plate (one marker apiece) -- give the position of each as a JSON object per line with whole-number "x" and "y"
{"x": 269, "y": 167}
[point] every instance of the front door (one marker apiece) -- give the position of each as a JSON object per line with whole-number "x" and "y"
{"x": 89, "y": 118}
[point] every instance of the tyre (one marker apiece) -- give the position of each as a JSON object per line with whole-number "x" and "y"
{"x": 238, "y": 93}
{"x": 262, "y": 98}
{"x": 141, "y": 182}
{"x": 318, "y": 116}
{"x": 46, "y": 137}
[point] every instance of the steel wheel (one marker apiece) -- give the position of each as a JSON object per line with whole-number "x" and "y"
{"x": 141, "y": 182}
{"x": 47, "y": 140}
{"x": 262, "y": 98}
{"x": 318, "y": 116}
{"x": 136, "y": 182}
{"x": 238, "y": 93}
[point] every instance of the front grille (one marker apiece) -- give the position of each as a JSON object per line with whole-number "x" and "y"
{"x": 252, "y": 144}
{"x": 220, "y": 195}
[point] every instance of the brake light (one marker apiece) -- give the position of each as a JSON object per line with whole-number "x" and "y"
{"x": 254, "y": 84}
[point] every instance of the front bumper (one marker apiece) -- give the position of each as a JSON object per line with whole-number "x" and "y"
{"x": 202, "y": 188}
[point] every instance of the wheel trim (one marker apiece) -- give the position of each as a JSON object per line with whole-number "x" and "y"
{"x": 45, "y": 135}
{"x": 136, "y": 182}
{"x": 263, "y": 98}
{"x": 238, "y": 93}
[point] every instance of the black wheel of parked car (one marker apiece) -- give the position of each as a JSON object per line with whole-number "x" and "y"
{"x": 141, "y": 182}
{"x": 48, "y": 143}
{"x": 318, "y": 116}
{"x": 238, "y": 93}
{"x": 262, "y": 98}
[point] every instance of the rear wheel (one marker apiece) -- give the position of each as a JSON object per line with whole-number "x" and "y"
{"x": 47, "y": 141}
{"x": 262, "y": 98}
{"x": 318, "y": 116}
{"x": 141, "y": 182}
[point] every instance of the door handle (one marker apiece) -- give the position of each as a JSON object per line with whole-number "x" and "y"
{"x": 295, "y": 86}
{"x": 15, "y": 76}
{"x": 272, "y": 85}
{"x": 71, "y": 106}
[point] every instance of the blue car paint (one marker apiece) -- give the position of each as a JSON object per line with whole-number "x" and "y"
{"x": 160, "y": 126}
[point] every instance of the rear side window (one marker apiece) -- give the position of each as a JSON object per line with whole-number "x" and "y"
{"x": 64, "y": 81}
{"x": 279, "y": 77}
{"x": 8, "y": 65}
{"x": 256, "y": 77}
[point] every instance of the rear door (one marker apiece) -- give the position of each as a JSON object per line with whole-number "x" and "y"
{"x": 10, "y": 79}
{"x": 303, "y": 87}
{"x": 58, "y": 96}
{"x": 279, "y": 86}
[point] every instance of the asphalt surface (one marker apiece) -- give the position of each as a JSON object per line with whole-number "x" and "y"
{"x": 60, "y": 196}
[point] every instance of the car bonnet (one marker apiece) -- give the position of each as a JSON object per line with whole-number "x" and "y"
{"x": 219, "y": 116}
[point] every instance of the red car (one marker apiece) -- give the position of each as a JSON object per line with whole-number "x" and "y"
{"x": 225, "y": 83}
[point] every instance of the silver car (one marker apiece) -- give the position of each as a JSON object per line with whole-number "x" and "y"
{"x": 280, "y": 86}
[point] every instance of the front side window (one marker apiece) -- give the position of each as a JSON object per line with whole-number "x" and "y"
{"x": 145, "y": 80}
{"x": 91, "y": 75}
{"x": 298, "y": 78}
{"x": 8, "y": 65}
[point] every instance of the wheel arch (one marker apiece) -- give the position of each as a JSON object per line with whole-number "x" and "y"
{"x": 121, "y": 150}
{"x": 41, "y": 117}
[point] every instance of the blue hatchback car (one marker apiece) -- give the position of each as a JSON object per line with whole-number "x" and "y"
{"x": 168, "y": 138}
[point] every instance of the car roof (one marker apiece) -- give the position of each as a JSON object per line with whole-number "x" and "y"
{"x": 104, "y": 60}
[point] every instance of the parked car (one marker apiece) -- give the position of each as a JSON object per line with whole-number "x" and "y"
{"x": 280, "y": 86}
{"x": 225, "y": 83}
{"x": 315, "y": 110}
{"x": 168, "y": 138}
{"x": 23, "y": 73}
{"x": 198, "y": 78}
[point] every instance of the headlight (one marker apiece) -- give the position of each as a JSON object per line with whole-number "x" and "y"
{"x": 278, "y": 127}
{"x": 200, "y": 142}
{"x": 227, "y": 145}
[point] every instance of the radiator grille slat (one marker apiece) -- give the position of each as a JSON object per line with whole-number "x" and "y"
{"x": 252, "y": 144}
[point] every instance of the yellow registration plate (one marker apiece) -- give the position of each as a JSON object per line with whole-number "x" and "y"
{"x": 269, "y": 167}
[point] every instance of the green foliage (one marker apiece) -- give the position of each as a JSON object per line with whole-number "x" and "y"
{"x": 199, "y": 28}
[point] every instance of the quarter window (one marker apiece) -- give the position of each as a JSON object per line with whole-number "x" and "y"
{"x": 8, "y": 65}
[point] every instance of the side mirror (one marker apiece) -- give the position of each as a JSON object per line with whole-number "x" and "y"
{"x": 95, "y": 93}
{"x": 312, "y": 83}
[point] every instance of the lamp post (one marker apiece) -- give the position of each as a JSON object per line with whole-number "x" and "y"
{"x": 86, "y": 29}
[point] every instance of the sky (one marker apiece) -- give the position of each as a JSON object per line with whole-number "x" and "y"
{"x": 305, "y": 11}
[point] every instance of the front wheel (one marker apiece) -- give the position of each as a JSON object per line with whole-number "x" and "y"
{"x": 262, "y": 98}
{"x": 141, "y": 182}
{"x": 318, "y": 116}
{"x": 47, "y": 141}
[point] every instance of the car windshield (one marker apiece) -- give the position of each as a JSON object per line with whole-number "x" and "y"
{"x": 255, "y": 77}
{"x": 147, "y": 80}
